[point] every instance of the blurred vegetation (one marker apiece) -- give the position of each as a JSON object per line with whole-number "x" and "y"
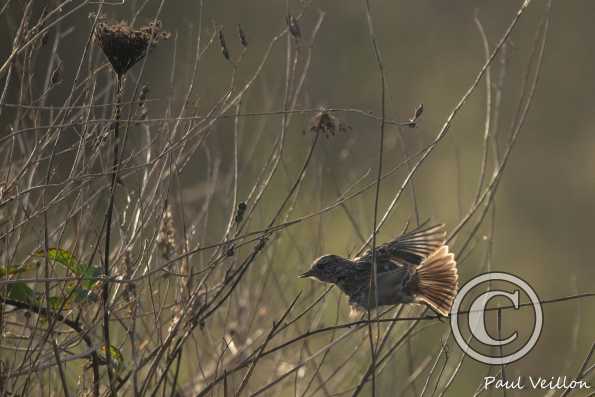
{"x": 176, "y": 194}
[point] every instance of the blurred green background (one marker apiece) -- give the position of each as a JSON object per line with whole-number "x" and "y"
{"x": 432, "y": 50}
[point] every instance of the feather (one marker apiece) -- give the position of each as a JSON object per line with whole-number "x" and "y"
{"x": 435, "y": 281}
{"x": 410, "y": 248}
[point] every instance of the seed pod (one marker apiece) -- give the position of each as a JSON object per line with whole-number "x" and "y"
{"x": 293, "y": 26}
{"x": 240, "y": 212}
{"x": 242, "y": 35}
{"x": 224, "y": 49}
{"x": 418, "y": 112}
{"x": 144, "y": 91}
{"x": 57, "y": 73}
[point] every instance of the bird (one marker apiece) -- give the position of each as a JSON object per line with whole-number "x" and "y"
{"x": 416, "y": 267}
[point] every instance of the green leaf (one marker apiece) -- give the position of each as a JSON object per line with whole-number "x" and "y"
{"x": 88, "y": 273}
{"x": 61, "y": 256}
{"x": 83, "y": 295}
{"x": 72, "y": 296}
{"x": 12, "y": 270}
{"x": 20, "y": 292}
{"x": 116, "y": 357}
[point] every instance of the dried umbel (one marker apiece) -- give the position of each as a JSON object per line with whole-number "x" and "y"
{"x": 325, "y": 123}
{"x": 124, "y": 46}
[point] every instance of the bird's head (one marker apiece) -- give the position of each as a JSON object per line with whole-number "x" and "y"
{"x": 328, "y": 269}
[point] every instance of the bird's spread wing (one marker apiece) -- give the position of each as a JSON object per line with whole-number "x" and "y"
{"x": 410, "y": 248}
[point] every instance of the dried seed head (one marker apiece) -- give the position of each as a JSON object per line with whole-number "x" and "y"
{"x": 166, "y": 238}
{"x": 142, "y": 114}
{"x": 124, "y": 46}
{"x": 58, "y": 73}
{"x": 242, "y": 35}
{"x": 224, "y": 49}
{"x": 294, "y": 27}
{"x": 44, "y": 40}
{"x": 242, "y": 207}
{"x": 325, "y": 123}
{"x": 418, "y": 112}
{"x": 143, "y": 110}
{"x": 144, "y": 91}
{"x": 129, "y": 288}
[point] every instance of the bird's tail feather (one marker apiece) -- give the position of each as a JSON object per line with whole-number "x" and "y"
{"x": 436, "y": 280}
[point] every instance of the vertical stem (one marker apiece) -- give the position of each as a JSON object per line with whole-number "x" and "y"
{"x": 502, "y": 367}
{"x": 374, "y": 275}
{"x": 109, "y": 215}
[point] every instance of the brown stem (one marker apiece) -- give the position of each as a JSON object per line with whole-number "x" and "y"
{"x": 109, "y": 216}
{"x": 74, "y": 325}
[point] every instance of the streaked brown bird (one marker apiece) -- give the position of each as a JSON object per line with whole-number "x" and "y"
{"x": 416, "y": 267}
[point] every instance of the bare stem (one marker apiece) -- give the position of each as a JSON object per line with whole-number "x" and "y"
{"x": 108, "y": 217}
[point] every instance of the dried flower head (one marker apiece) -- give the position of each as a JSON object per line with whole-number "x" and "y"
{"x": 223, "y": 44}
{"x": 144, "y": 92}
{"x": 124, "y": 46}
{"x": 58, "y": 73}
{"x": 325, "y": 123}
{"x": 166, "y": 238}
{"x": 129, "y": 288}
{"x": 416, "y": 115}
{"x": 243, "y": 39}
{"x": 143, "y": 110}
{"x": 294, "y": 27}
{"x": 242, "y": 207}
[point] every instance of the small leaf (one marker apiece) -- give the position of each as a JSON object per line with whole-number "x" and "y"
{"x": 61, "y": 256}
{"x": 12, "y": 270}
{"x": 116, "y": 357}
{"x": 88, "y": 273}
{"x": 20, "y": 292}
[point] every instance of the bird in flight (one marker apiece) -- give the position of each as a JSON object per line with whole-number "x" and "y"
{"x": 416, "y": 267}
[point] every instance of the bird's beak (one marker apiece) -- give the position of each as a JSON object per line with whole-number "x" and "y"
{"x": 307, "y": 274}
